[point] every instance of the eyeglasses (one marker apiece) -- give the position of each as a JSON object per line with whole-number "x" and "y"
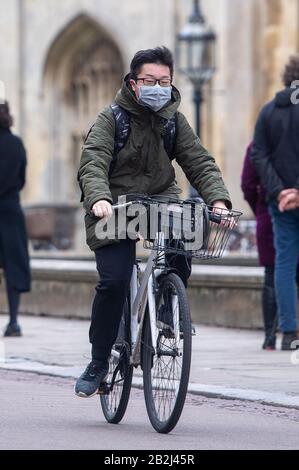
{"x": 164, "y": 82}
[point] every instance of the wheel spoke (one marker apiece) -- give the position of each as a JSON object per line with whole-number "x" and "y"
{"x": 114, "y": 403}
{"x": 166, "y": 372}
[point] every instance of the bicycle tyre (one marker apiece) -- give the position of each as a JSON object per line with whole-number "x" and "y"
{"x": 153, "y": 378}
{"x": 114, "y": 404}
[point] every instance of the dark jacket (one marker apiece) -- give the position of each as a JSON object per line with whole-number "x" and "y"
{"x": 275, "y": 153}
{"x": 143, "y": 165}
{"x": 255, "y": 195}
{"x": 13, "y": 239}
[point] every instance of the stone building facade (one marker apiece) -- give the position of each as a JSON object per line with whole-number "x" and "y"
{"x": 63, "y": 60}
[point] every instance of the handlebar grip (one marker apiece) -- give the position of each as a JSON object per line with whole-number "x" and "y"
{"x": 216, "y": 218}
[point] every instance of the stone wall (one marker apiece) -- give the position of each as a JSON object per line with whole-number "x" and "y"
{"x": 219, "y": 295}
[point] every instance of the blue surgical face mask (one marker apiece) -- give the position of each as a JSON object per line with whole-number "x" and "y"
{"x": 155, "y": 97}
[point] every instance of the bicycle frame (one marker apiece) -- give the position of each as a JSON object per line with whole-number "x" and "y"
{"x": 142, "y": 294}
{"x": 158, "y": 309}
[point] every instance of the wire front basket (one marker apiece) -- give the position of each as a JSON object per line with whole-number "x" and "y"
{"x": 188, "y": 228}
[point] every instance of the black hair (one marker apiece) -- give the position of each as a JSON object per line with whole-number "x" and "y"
{"x": 291, "y": 71}
{"x": 6, "y": 120}
{"x": 159, "y": 55}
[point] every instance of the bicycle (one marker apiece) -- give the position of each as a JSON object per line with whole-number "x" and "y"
{"x": 155, "y": 330}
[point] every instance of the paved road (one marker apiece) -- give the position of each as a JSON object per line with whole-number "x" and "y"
{"x": 225, "y": 362}
{"x": 40, "y": 412}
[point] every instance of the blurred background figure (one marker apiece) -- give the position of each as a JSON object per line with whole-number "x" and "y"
{"x": 255, "y": 195}
{"x": 275, "y": 157}
{"x": 13, "y": 238}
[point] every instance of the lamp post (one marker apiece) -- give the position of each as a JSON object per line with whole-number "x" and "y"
{"x": 196, "y": 56}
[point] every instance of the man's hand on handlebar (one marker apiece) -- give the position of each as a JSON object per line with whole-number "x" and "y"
{"x": 219, "y": 208}
{"x": 102, "y": 209}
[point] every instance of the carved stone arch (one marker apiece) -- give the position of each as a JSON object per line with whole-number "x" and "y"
{"x": 82, "y": 72}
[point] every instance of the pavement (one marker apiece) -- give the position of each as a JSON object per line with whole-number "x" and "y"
{"x": 226, "y": 363}
{"x": 42, "y": 413}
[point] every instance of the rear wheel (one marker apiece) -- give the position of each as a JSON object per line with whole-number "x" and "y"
{"x": 114, "y": 401}
{"x": 166, "y": 371}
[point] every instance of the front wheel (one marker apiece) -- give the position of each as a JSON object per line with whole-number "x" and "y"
{"x": 118, "y": 383}
{"x": 166, "y": 368}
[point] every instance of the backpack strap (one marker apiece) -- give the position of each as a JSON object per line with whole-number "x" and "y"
{"x": 122, "y": 130}
{"x": 170, "y": 135}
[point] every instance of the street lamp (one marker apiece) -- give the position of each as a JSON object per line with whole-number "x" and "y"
{"x": 196, "y": 56}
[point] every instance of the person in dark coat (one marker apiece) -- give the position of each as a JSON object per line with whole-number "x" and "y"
{"x": 255, "y": 195}
{"x": 13, "y": 238}
{"x": 275, "y": 157}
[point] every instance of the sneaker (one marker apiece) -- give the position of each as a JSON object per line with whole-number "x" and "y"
{"x": 13, "y": 330}
{"x": 269, "y": 343}
{"x": 89, "y": 382}
{"x": 288, "y": 340}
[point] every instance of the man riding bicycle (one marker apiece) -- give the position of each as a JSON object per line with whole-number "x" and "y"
{"x": 147, "y": 107}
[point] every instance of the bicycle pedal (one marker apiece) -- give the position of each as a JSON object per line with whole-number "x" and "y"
{"x": 104, "y": 389}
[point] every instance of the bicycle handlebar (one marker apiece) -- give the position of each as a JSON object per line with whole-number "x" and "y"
{"x": 213, "y": 217}
{"x": 216, "y": 218}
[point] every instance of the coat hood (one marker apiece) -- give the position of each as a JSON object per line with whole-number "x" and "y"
{"x": 283, "y": 98}
{"x": 126, "y": 99}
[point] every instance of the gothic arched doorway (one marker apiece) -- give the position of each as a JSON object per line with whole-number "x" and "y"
{"x": 82, "y": 73}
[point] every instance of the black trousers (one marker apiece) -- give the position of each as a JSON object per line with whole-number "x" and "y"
{"x": 115, "y": 265}
{"x": 269, "y": 303}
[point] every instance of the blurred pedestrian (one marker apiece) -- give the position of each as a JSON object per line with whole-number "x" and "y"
{"x": 13, "y": 238}
{"x": 254, "y": 194}
{"x": 275, "y": 157}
